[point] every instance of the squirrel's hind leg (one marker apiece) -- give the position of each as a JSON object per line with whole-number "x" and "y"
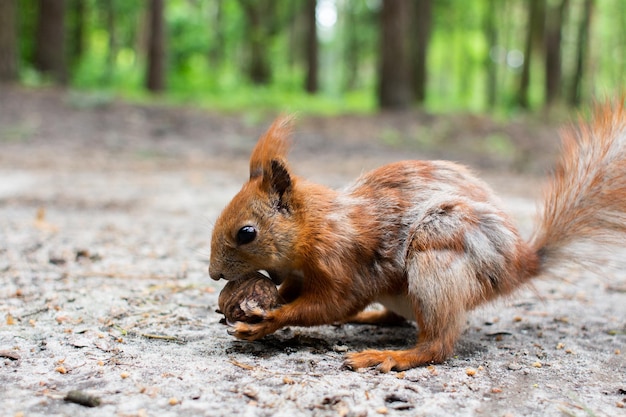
{"x": 441, "y": 285}
{"x": 435, "y": 344}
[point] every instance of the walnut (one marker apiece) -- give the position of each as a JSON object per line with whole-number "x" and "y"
{"x": 246, "y": 298}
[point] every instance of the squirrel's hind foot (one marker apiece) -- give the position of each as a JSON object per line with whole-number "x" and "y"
{"x": 394, "y": 360}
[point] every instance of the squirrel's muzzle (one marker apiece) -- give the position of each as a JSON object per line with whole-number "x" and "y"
{"x": 215, "y": 275}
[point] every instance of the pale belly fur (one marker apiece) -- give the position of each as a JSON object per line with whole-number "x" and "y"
{"x": 399, "y": 304}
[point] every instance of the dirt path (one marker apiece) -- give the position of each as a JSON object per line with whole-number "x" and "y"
{"x": 105, "y": 221}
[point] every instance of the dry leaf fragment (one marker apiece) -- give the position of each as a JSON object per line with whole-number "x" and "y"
{"x": 41, "y": 223}
{"x": 62, "y": 319}
{"x": 432, "y": 369}
{"x": 40, "y": 216}
{"x": 252, "y": 394}
{"x": 9, "y": 354}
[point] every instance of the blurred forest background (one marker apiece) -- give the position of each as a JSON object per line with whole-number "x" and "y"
{"x": 322, "y": 56}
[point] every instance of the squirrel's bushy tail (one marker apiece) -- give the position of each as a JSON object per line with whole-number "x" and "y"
{"x": 585, "y": 201}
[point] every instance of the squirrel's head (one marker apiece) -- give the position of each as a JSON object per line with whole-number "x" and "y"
{"x": 256, "y": 230}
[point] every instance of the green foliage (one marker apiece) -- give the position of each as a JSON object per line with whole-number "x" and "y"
{"x": 208, "y": 53}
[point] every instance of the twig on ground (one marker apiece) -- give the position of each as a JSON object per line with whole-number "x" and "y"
{"x": 161, "y": 337}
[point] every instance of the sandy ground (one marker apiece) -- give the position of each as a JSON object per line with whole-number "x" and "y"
{"x": 105, "y": 222}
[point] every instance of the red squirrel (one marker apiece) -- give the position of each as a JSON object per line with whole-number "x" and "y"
{"x": 426, "y": 239}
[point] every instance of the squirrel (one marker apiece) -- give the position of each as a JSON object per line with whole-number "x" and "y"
{"x": 426, "y": 239}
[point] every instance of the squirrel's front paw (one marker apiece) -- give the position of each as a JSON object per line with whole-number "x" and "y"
{"x": 251, "y": 331}
{"x": 259, "y": 323}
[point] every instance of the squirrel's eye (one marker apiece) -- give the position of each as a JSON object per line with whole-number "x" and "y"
{"x": 246, "y": 235}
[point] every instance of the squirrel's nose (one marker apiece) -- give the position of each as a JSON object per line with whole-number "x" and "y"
{"x": 215, "y": 275}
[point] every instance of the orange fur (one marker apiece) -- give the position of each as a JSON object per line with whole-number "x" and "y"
{"x": 274, "y": 144}
{"x": 427, "y": 239}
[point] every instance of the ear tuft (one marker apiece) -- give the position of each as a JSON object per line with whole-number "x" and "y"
{"x": 274, "y": 144}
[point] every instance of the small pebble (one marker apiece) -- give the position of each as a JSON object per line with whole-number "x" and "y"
{"x": 514, "y": 366}
{"x": 79, "y": 397}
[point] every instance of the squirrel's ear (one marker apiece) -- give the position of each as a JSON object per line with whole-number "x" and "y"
{"x": 278, "y": 179}
{"x": 274, "y": 144}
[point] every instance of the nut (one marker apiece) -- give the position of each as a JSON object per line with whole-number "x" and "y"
{"x": 254, "y": 291}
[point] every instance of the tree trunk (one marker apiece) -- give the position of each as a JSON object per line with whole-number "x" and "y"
{"x": 112, "y": 44}
{"x": 50, "y": 40}
{"x": 155, "y": 77}
{"x": 554, "y": 23}
{"x": 260, "y": 23}
{"x": 491, "y": 66}
{"x": 216, "y": 49}
{"x": 8, "y": 41}
{"x": 575, "y": 94}
{"x": 311, "y": 84}
{"x": 394, "y": 84}
{"x": 534, "y": 36}
{"x": 352, "y": 48}
{"x": 77, "y": 41}
{"x": 421, "y": 38}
